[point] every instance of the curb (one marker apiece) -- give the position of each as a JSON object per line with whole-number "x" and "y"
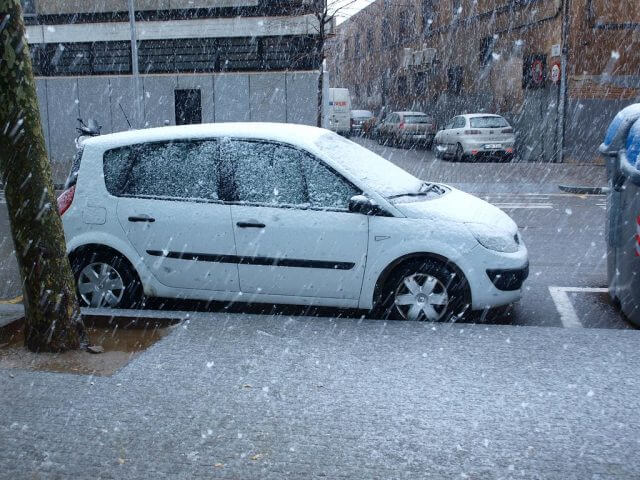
{"x": 583, "y": 190}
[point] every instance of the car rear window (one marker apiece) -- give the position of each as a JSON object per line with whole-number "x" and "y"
{"x": 417, "y": 119}
{"x": 488, "y": 122}
{"x": 72, "y": 179}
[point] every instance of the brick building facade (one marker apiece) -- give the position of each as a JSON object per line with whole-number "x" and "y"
{"x": 557, "y": 69}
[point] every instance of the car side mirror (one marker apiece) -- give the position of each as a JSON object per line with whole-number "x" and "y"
{"x": 363, "y": 204}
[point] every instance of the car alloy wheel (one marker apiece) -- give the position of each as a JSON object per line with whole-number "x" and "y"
{"x": 421, "y": 296}
{"x": 100, "y": 285}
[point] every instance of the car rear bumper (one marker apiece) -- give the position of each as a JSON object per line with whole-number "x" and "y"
{"x": 488, "y": 147}
{"x": 417, "y": 137}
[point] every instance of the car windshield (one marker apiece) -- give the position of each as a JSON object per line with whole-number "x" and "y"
{"x": 488, "y": 122}
{"x": 361, "y": 114}
{"x": 360, "y": 163}
{"x": 417, "y": 119}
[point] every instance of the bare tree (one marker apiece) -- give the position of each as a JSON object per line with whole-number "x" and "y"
{"x": 52, "y": 314}
{"x": 326, "y": 12}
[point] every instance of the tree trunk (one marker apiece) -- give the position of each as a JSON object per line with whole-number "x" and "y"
{"x": 52, "y": 314}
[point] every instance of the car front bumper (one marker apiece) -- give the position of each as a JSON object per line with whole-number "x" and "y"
{"x": 496, "y": 278}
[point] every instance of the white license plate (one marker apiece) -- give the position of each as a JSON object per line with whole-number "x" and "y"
{"x": 493, "y": 146}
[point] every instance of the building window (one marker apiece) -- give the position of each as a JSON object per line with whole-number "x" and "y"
{"x": 28, "y": 7}
{"x": 369, "y": 39}
{"x": 427, "y": 15}
{"x": 346, "y": 48}
{"x": 420, "y": 82}
{"x": 403, "y": 25}
{"x": 385, "y": 34}
{"x": 456, "y": 10}
{"x": 188, "y": 106}
{"x": 402, "y": 85}
{"x": 486, "y": 49}
{"x": 454, "y": 77}
{"x": 356, "y": 45}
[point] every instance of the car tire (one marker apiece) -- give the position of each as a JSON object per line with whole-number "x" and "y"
{"x": 438, "y": 154}
{"x": 410, "y": 289}
{"x": 459, "y": 155}
{"x": 105, "y": 279}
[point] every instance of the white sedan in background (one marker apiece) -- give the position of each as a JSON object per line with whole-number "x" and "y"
{"x": 476, "y": 136}
{"x": 277, "y": 213}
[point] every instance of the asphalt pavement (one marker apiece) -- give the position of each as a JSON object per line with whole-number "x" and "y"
{"x": 564, "y": 234}
{"x": 276, "y": 397}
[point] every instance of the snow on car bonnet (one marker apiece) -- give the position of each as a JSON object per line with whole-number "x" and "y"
{"x": 362, "y": 164}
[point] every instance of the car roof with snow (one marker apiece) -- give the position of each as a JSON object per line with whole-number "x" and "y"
{"x": 357, "y": 163}
{"x": 475, "y": 115}
{"x": 411, "y": 113}
{"x": 301, "y": 135}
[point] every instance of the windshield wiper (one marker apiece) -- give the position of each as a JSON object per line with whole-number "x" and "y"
{"x": 425, "y": 189}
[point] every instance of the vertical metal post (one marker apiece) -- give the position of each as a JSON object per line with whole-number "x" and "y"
{"x": 564, "y": 74}
{"x": 137, "y": 107}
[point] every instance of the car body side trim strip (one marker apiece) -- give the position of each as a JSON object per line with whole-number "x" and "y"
{"x": 266, "y": 261}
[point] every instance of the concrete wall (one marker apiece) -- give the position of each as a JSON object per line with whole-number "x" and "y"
{"x": 273, "y": 97}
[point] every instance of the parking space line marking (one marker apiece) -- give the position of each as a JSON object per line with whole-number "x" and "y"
{"x": 568, "y": 315}
{"x": 524, "y": 205}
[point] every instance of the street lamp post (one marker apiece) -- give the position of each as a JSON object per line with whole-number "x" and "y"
{"x": 137, "y": 107}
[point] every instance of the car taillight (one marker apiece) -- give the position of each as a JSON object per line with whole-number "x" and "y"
{"x": 401, "y": 125}
{"x": 472, "y": 132}
{"x": 65, "y": 199}
{"x": 507, "y": 130}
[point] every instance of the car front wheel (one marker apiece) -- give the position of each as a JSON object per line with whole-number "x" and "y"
{"x": 425, "y": 290}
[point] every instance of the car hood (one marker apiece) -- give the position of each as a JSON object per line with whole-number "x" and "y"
{"x": 457, "y": 206}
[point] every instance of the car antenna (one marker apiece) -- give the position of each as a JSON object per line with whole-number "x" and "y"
{"x": 125, "y": 115}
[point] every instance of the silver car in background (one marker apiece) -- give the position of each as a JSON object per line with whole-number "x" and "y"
{"x": 358, "y": 119}
{"x": 476, "y": 136}
{"x": 407, "y": 129}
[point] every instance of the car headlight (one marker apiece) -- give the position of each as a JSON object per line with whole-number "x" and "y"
{"x": 493, "y": 239}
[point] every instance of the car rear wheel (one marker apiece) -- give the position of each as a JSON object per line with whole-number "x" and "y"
{"x": 459, "y": 155}
{"x": 105, "y": 280}
{"x": 425, "y": 290}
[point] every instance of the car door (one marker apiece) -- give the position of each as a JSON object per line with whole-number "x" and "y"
{"x": 446, "y": 131}
{"x": 169, "y": 209}
{"x": 294, "y": 234}
{"x": 457, "y": 129}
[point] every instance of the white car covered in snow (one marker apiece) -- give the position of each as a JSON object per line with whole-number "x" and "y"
{"x": 279, "y": 214}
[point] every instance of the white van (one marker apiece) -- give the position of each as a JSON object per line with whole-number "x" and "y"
{"x": 340, "y": 110}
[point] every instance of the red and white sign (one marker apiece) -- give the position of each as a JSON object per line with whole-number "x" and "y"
{"x": 555, "y": 72}
{"x": 537, "y": 72}
{"x": 638, "y": 236}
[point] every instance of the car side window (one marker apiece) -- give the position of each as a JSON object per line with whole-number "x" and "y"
{"x": 264, "y": 173}
{"x": 459, "y": 122}
{"x": 326, "y": 189}
{"x": 185, "y": 170}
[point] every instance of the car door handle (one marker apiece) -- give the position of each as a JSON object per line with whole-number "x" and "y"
{"x": 250, "y": 225}
{"x": 142, "y": 218}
